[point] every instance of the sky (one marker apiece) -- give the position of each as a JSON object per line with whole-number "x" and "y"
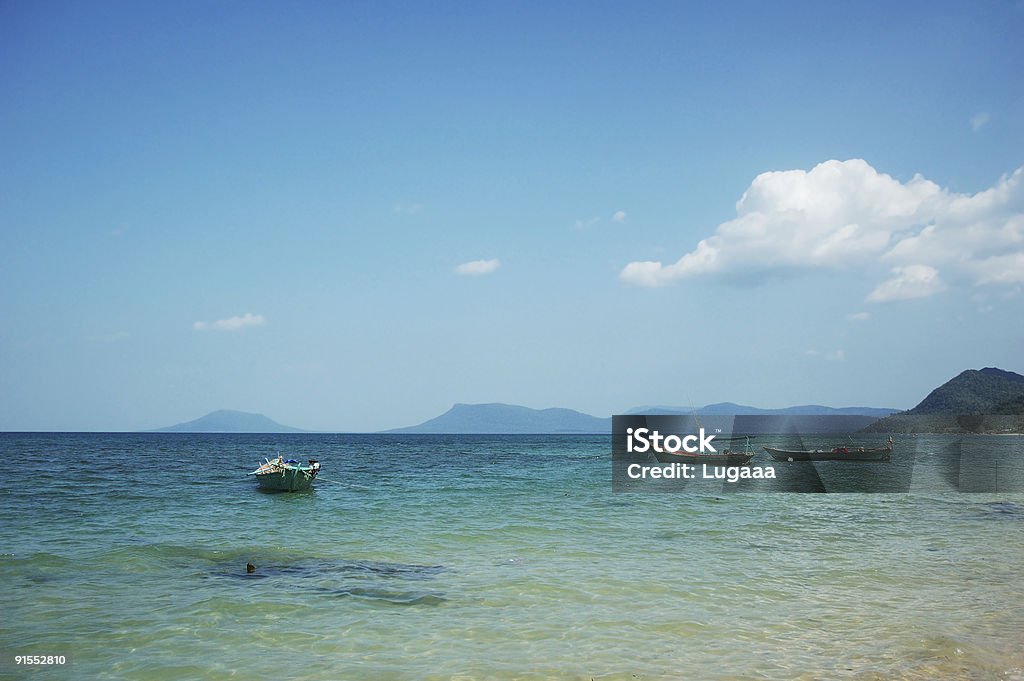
{"x": 350, "y": 216}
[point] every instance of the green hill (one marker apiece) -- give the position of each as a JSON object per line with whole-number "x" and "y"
{"x": 986, "y": 400}
{"x": 985, "y": 391}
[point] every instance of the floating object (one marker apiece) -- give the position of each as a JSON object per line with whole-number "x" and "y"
{"x": 375, "y": 582}
{"x": 842, "y": 453}
{"x": 286, "y": 476}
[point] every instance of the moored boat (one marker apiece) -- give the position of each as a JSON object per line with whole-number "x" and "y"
{"x": 841, "y": 453}
{"x": 286, "y": 476}
{"x": 726, "y": 457}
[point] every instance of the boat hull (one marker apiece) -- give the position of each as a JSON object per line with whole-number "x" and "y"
{"x": 839, "y": 454}
{"x": 286, "y": 476}
{"x": 287, "y": 480}
{"x": 725, "y": 458}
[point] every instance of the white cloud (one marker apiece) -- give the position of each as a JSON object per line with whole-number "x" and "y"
{"x": 859, "y": 316}
{"x": 231, "y": 323}
{"x": 912, "y": 281}
{"x": 476, "y": 268}
{"x": 646, "y": 273}
{"x": 979, "y": 120}
{"x": 1001, "y": 269}
{"x": 842, "y": 215}
{"x": 582, "y": 224}
{"x": 831, "y": 356}
{"x": 407, "y": 208}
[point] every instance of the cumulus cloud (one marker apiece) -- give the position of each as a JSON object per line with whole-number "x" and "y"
{"x": 231, "y": 323}
{"x": 979, "y": 120}
{"x": 912, "y": 281}
{"x": 477, "y": 268}
{"x": 845, "y": 214}
{"x": 1000, "y": 269}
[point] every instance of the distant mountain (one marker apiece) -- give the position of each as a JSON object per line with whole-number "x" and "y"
{"x": 513, "y": 419}
{"x": 757, "y": 424}
{"x": 985, "y": 400}
{"x": 732, "y": 409}
{"x": 509, "y": 419}
{"x": 226, "y": 421}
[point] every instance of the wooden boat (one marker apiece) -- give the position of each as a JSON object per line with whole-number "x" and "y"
{"x": 286, "y": 476}
{"x": 842, "y": 453}
{"x": 726, "y": 457}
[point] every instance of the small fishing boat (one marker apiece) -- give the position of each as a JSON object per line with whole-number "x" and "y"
{"x": 726, "y": 457}
{"x": 286, "y": 476}
{"x": 841, "y": 453}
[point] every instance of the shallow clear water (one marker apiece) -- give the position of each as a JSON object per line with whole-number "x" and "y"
{"x": 486, "y": 557}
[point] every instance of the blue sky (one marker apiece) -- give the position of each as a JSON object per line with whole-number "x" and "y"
{"x": 265, "y": 207}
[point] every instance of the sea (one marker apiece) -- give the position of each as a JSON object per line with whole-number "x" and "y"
{"x": 123, "y": 556}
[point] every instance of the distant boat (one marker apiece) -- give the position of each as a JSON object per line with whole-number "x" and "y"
{"x": 843, "y": 453}
{"x": 726, "y": 457}
{"x": 286, "y": 476}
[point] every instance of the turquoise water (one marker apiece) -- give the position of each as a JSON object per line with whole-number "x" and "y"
{"x": 474, "y": 557}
